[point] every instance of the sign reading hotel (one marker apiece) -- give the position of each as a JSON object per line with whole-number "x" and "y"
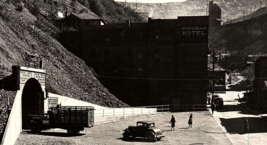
{"x": 25, "y": 75}
{"x": 194, "y": 34}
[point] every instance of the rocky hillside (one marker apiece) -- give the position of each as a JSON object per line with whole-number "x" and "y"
{"x": 24, "y": 28}
{"x": 20, "y": 33}
{"x": 109, "y": 10}
{"x": 231, "y": 9}
{"x": 242, "y": 38}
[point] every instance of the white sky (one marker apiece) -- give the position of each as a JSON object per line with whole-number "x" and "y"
{"x": 151, "y": 1}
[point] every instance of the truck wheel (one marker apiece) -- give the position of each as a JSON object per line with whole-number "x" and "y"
{"x": 68, "y": 131}
{"x": 33, "y": 129}
{"x": 151, "y": 136}
{"x": 73, "y": 131}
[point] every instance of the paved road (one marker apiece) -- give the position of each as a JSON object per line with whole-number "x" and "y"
{"x": 205, "y": 131}
{"x": 232, "y": 116}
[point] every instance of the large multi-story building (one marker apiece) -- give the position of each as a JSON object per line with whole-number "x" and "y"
{"x": 260, "y": 83}
{"x": 163, "y": 61}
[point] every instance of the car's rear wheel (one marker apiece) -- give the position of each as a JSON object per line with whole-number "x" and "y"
{"x": 151, "y": 136}
{"x": 158, "y": 139}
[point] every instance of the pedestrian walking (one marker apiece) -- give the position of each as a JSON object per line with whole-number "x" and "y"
{"x": 208, "y": 99}
{"x": 172, "y": 122}
{"x": 190, "y": 121}
{"x": 246, "y": 125}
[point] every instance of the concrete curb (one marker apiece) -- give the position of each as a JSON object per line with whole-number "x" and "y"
{"x": 217, "y": 120}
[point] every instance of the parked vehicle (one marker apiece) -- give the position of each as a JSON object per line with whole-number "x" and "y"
{"x": 71, "y": 118}
{"x": 219, "y": 103}
{"x": 144, "y": 129}
{"x": 213, "y": 98}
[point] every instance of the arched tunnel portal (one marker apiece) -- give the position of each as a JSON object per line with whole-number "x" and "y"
{"x": 32, "y": 101}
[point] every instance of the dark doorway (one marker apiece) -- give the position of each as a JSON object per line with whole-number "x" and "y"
{"x": 32, "y": 101}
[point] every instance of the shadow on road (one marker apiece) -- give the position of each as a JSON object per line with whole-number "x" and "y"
{"x": 236, "y": 125}
{"x": 184, "y": 128}
{"x": 214, "y": 132}
{"x": 229, "y": 108}
{"x": 167, "y": 130}
{"x": 238, "y": 87}
{"x": 136, "y": 139}
{"x": 59, "y": 134}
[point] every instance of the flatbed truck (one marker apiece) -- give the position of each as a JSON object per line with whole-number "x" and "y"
{"x": 71, "y": 118}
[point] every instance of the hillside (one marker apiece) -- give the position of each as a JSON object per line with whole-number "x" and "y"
{"x": 231, "y": 9}
{"x": 110, "y": 11}
{"x": 242, "y": 38}
{"x": 21, "y": 33}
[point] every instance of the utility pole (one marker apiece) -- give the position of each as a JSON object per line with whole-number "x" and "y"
{"x": 207, "y": 7}
{"x": 213, "y": 56}
{"x": 243, "y": 15}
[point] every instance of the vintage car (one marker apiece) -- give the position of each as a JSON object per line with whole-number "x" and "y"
{"x": 219, "y": 103}
{"x": 214, "y": 97}
{"x": 144, "y": 129}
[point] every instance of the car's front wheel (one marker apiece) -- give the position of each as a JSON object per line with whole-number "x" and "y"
{"x": 126, "y": 135}
{"x": 151, "y": 136}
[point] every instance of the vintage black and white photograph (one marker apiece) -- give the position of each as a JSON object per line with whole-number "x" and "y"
{"x": 133, "y": 72}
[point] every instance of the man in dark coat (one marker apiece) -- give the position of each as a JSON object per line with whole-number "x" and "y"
{"x": 172, "y": 122}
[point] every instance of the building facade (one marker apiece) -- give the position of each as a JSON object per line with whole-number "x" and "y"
{"x": 260, "y": 83}
{"x": 163, "y": 61}
{"x": 80, "y": 22}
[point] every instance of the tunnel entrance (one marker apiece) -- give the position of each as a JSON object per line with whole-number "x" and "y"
{"x": 32, "y": 101}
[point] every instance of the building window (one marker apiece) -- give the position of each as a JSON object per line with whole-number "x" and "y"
{"x": 139, "y": 56}
{"x": 140, "y": 35}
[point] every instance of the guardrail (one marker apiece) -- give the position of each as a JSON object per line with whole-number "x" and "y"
{"x": 116, "y": 112}
{"x": 193, "y": 107}
{"x": 160, "y": 108}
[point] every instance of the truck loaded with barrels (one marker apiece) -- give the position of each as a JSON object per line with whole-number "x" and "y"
{"x": 72, "y": 118}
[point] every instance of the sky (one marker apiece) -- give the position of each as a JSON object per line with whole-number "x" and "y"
{"x": 151, "y": 1}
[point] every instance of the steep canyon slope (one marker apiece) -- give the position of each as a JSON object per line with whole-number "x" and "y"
{"x": 231, "y": 9}
{"x": 243, "y": 38}
{"x": 21, "y": 33}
